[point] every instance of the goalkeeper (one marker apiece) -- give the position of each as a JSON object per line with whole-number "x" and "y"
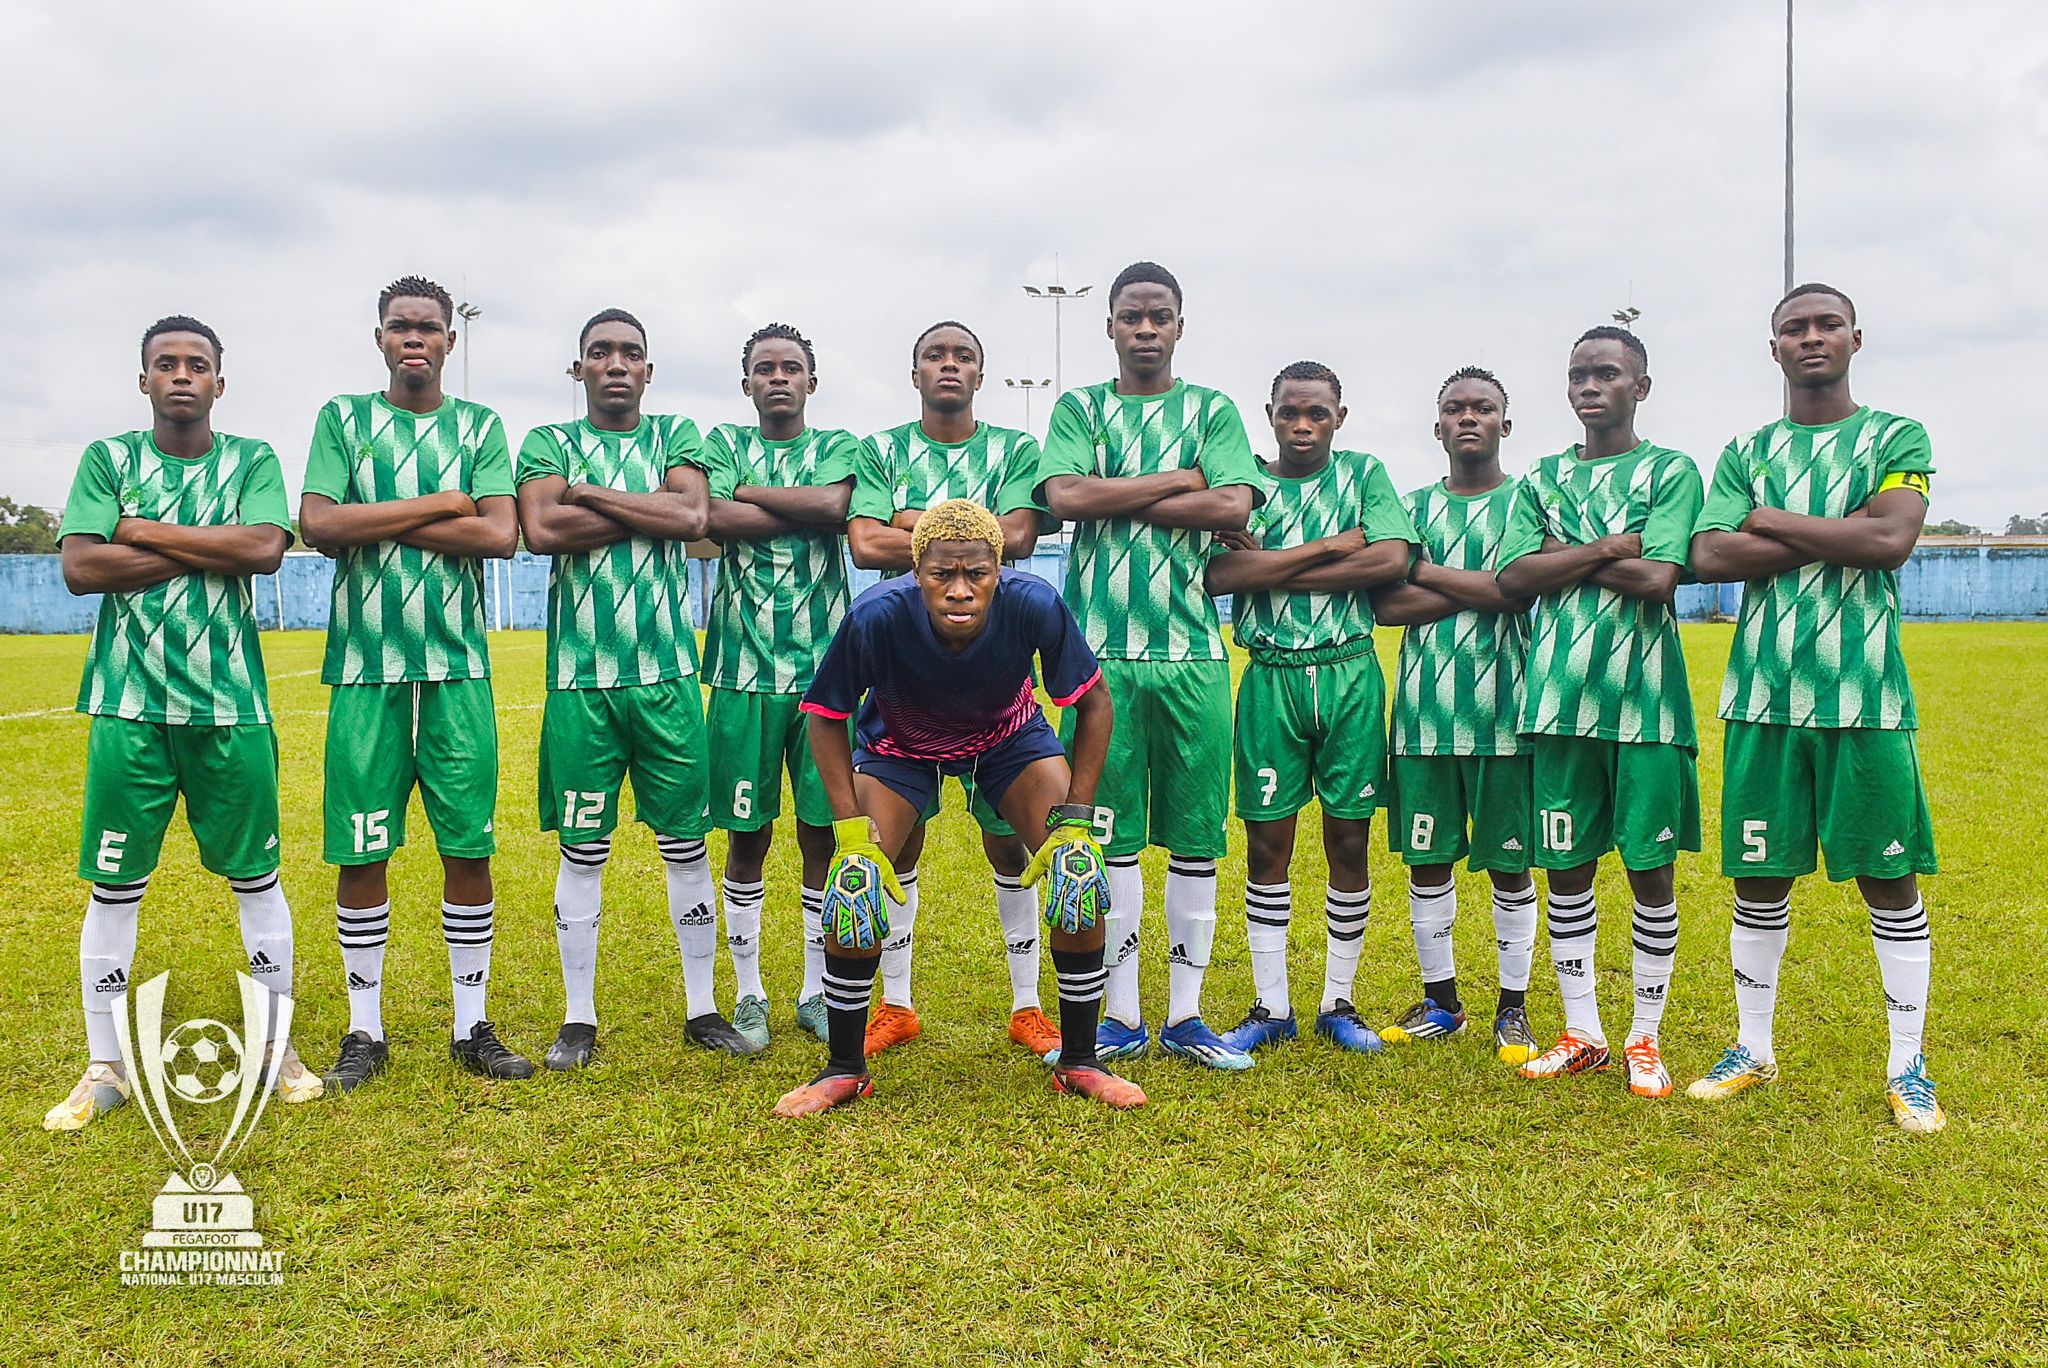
{"x": 944, "y": 658}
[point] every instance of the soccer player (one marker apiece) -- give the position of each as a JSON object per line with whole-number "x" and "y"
{"x": 779, "y": 492}
{"x": 168, "y": 523}
{"x": 1311, "y": 708}
{"x": 1459, "y": 777}
{"x": 948, "y": 454}
{"x": 1150, "y": 468}
{"x": 1815, "y": 513}
{"x": 613, "y": 498}
{"x": 410, "y": 491}
{"x": 944, "y": 657}
{"x": 1600, "y": 539}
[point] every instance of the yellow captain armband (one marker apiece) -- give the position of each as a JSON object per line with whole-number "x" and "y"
{"x": 1914, "y": 480}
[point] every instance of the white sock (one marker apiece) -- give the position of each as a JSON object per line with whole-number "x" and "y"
{"x": 1268, "y": 908}
{"x": 1756, "y": 947}
{"x": 468, "y": 933}
{"x": 1190, "y": 933}
{"x": 895, "y": 969}
{"x": 1344, "y": 918}
{"x": 106, "y": 956}
{"x": 1120, "y": 944}
{"x": 814, "y": 944}
{"x": 1017, "y": 909}
{"x": 1574, "y": 929}
{"x": 579, "y": 902}
{"x": 743, "y": 936}
{"x": 1655, "y": 933}
{"x": 1514, "y": 934}
{"x": 266, "y": 936}
{"x": 363, "y": 932}
{"x": 1905, "y": 959}
{"x": 1432, "y": 914}
{"x": 693, "y": 913}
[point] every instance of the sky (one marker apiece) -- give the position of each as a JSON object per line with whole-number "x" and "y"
{"x": 1395, "y": 189}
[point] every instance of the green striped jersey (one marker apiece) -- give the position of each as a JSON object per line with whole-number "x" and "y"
{"x": 184, "y": 651}
{"x": 1601, "y": 663}
{"x": 1458, "y": 688}
{"x": 1818, "y": 646}
{"x": 1137, "y": 588}
{"x": 778, "y": 599}
{"x": 903, "y": 469}
{"x": 618, "y": 615}
{"x": 400, "y": 613}
{"x": 1351, "y": 490}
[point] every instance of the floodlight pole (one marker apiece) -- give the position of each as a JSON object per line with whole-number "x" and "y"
{"x": 1788, "y": 146}
{"x": 469, "y": 314}
{"x": 1059, "y": 295}
{"x": 570, "y": 371}
{"x": 1027, "y": 386}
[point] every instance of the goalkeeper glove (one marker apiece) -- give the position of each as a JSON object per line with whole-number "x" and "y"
{"x": 855, "y": 916}
{"x": 1078, "y": 894}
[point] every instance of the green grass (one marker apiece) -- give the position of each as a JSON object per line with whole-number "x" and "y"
{"x": 1421, "y": 1206}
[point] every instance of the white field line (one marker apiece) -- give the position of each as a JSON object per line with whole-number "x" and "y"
{"x": 52, "y": 712}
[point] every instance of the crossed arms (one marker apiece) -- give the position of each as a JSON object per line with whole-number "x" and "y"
{"x": 143, "y": 552}
{"x": 559, "y": 518}
{"x": 1877, "y": 536}
{"x": 1170, "y": 498}
{"x": 450, "y": 523}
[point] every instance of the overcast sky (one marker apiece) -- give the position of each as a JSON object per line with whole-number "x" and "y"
{"x": 1394, "y": 189}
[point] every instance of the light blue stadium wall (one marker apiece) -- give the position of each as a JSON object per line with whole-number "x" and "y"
{"x": 1940, "y": 582}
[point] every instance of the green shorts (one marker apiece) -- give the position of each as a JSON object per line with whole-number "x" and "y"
{"x": 754, "y": 737}
{"x": 382, "y": 739}
{"x": 134, "y": 772}
{"x": 1432, "y": 799}
{"x": 1854, "y": 792}
{"x": 986, "y": 817}
{"x": 1593, "y": 796}
{"x": 1307, "y": 730}
{"x": 590, "y": 739}
{"x": 1167, "y": 780}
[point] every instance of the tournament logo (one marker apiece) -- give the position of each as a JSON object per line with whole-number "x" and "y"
{"x": 204, "y": 1230}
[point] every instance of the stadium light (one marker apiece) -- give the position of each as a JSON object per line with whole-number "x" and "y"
{"x": 469, "y": 314}
{"x": 1059, "y": 295}
{"x": 1027, "y": 386}
{"x": 1627, "y": 316}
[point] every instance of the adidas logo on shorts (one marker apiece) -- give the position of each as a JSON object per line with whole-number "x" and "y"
{"x": 1511, "y": 843}
{"x": 1894, "y": 849}
{"x": 357, "y": 983}
{"x": 114, "y": 983}
{"x": 1665, "y": 834}
{"x": 271, "y": 844}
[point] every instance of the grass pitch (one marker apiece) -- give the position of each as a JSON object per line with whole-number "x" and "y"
{"x": 1419, "y": 1206}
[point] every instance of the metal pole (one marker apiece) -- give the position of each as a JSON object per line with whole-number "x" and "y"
{"x": 1788, "y": 146}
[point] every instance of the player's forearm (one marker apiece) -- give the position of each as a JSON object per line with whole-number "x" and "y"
{"x": 1722, "y": 557}
{"x": 833, "y": 754}
{"x": 812, "y": 506}
{"x": 1090, "y": 498}
{"x": 332, "y": 526}
{"x": 1020, "y": 534}
{"x": 93, "y": 566}
{"x": 1244, "y": 572}
{"x": 557, "y": 529}
{"x": 1648, "y": 580}
{"x": 877, "y": 545}
{"x": 1410, "y": 605}
{"x": 230, "y": 549}
{"x": 1865, "y": 540}
{"x": 1381, "y": 562}
{"x": 664, "y": 514}
{"x": 1474, "y": 589}
{"x": 733, "y": 521}
{"x": 1228, "y": 509}
{"x": 1545, "y": 572}
{"x": 492, "y": 533}
{"x": 1094, "y": 719}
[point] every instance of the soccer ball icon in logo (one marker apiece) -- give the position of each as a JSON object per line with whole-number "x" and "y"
{"x": 202, "y": 1060}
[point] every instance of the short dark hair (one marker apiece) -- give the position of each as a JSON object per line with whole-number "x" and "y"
{"x": 1629, "y": 341}
{"x": 980, "y": 352}
{"x": 611, "y": 316}
{"x": 1474, "y": 373}
{"x": 787, "y": 334}
{"x": 180, "y": 323}
{"x": 416, "y": 287}
{"x": 1308, "y": 370}
{"x": 1814, "y": 287}
{"x": 1144, "y": 273}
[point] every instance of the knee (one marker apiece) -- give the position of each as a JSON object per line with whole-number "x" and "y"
{"x": 1006, "y": 854}
{"x": 1433, "y": 875}
{"x": 1654, "y": 887}
{"x": 585, "y": 860}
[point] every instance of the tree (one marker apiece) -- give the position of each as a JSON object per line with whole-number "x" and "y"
{"x": 2017, "y": 526}
{"x": 1952, "y": 528}
{"x": 26, "y": 530}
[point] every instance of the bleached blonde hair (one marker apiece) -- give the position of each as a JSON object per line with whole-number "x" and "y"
{"x": 957, "y": 520}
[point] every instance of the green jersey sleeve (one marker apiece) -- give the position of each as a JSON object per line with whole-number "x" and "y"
{"x": 1227, "y": 451}
{"x": 685, "y": 445}
{"x": 327, "y": 458}
{"x": 94, "y": 505}
{"x": 1524, "y": 535}
{"x": 1385, "y": 517}
{"x": 493, "y": 476}
{"x": 540, "y": 455}
{"x": 1906, "y": 451}
{"x": 262, "y": 503}
{"x": 1019, "y": 488}
{"x": 1674, "y": 510}
{"x": 1730, "y": 499}
{"x": 836, "y": 462}
{"x": 721, "y": 468}
{"x": 1069, "y": 443}
{"x": 874, "y": 488}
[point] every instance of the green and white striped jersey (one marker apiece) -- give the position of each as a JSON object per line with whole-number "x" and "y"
{"x": 1601, "y": 663}
{"x": 1818, "y": 646}
{"x": 618, "y": 615}
{"x": 1351, "y": 490}
{"x": 402, "y": 614}
{"x": 185, "y": 651}
{"x": 1458, "y": 688}
{"x": 1136, "y": 588}
{"x": 779, "y": 599}
{"x": 903, "y": 469}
